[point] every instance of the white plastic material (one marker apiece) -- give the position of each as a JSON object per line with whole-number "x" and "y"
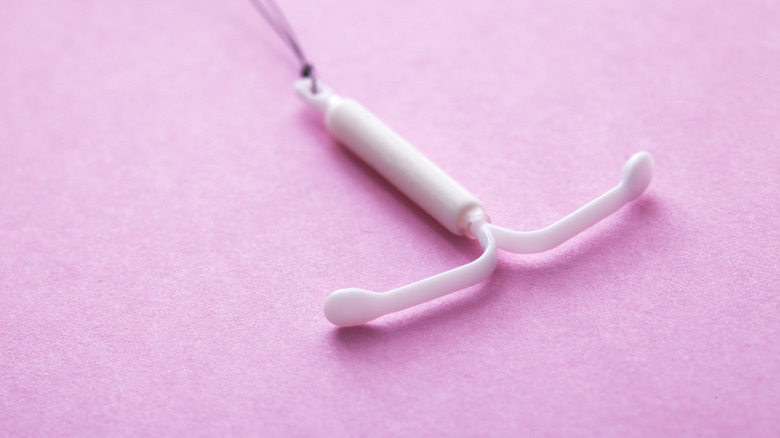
{"x": 450, "y": 204}
{"x": 636, "y": 176}
{"x": 348, "y": 307}
{"x": 394, "y": 158}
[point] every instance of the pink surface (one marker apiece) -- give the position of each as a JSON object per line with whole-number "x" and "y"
{"x": 173, "y": 218}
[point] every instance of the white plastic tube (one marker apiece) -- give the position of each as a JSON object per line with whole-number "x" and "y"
{"x": 395, "y": 159}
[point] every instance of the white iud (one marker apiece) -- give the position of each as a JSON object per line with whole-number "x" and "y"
{"x": 449, "y": 203}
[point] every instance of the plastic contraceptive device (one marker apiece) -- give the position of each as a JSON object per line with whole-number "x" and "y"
{"x": 448, "y": 202}
{"x": 436, "y": 192}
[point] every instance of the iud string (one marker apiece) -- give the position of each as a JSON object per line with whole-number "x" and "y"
{"x": 442, "y": 197}
{"x": 278, "y": 22}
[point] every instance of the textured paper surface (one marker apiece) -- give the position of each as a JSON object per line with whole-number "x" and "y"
{"x": 172, "y": 218}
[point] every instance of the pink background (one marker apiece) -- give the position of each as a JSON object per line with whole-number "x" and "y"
{"x": 172, "y": 218}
